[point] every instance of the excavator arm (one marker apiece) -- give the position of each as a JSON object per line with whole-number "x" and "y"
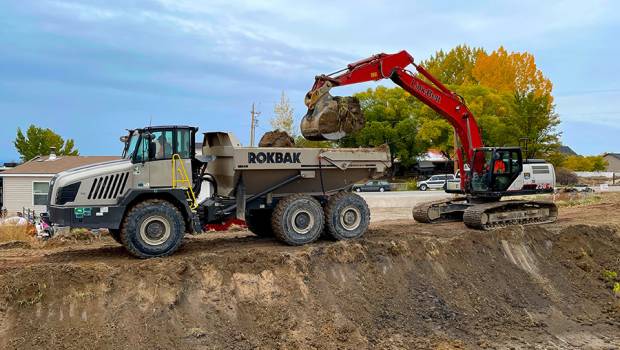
{"x": 392, "y": 66}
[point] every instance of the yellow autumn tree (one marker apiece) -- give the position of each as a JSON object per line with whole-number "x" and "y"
{"x": 512, "y": 72}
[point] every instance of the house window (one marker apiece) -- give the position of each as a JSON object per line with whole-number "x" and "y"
{"x": 39, "y": 192}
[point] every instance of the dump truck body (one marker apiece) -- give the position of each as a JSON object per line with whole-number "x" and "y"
{"x": 321, "y": 170}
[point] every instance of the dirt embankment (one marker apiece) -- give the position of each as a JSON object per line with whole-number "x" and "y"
{"x": 403, "y": 286}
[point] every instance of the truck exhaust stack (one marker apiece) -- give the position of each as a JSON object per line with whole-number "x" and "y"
{"x": 332, "y": 118}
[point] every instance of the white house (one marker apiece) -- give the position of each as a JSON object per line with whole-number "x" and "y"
{"x": 26, "y": 186}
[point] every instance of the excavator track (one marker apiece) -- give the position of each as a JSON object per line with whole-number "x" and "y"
{"x": 489, "y": 216}
{"x": 445, "y": 210}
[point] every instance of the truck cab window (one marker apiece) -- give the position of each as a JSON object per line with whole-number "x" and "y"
{"x": 184, "y": 143}
{"x": 156, "y": 147}
{"x": 130, "y": 147}
{"x": 162, "y": 141}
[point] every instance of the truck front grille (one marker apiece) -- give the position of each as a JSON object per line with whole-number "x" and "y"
{"x": 68, "y": 193}
{"x": 108, "y": 187}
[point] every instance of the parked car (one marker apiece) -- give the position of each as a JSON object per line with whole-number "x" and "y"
{"x": 372, "y": 186}
{"x": 435, "y": 182}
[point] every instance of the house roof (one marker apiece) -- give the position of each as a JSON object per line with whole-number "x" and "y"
{"x": 433, "y": 155}
{"x": 45, "y": 166}
{"x": 615, "y": 155}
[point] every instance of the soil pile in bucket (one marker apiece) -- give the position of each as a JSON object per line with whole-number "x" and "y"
{"x": 333, "y": 118}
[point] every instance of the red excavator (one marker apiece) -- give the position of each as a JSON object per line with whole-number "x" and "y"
{"x": 492, "y": 172}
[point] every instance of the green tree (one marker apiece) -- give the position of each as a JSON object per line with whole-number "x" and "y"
{"x": 302, "y": 142}
{"x": 283, "y": 115}
{"x": 536, "y": 120}
{"x": 390, "y": 119}
{"x": 454, "y": 66}
{"x": 39, "y": 141}
{"x": 493, "y": 111}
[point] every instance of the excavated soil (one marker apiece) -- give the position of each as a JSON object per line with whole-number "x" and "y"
{"x": 404, "y": 286}
{"x": 276, "y": 138}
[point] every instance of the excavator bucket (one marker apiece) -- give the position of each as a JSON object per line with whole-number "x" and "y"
{"x": 332, "y": 118}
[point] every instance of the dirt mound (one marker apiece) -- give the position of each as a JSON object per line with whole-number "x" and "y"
{"x": 403, "y": 286}
{"x": 276, "y": 138}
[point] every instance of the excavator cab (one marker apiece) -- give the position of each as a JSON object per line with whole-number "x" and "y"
{"x": 494, "y": 169}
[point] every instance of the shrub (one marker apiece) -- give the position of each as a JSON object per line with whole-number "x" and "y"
{"x": 566, "y": 176}
{"x": 609, "y": 276}
{"x": 16, "y": 233}
{"x": 412, "y": 185}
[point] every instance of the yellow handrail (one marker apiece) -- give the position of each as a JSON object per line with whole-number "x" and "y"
{"x": 189, "y": 192}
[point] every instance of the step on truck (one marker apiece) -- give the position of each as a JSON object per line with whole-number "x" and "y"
{"x": 164, "y": 187}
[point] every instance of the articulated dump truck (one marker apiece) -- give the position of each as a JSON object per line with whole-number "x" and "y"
{"x": 163, "y": 187}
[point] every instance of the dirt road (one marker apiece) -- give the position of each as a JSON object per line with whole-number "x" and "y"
{"x": 405, "y": 285}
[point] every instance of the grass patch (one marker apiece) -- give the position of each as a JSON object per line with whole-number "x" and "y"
{"x": 609, "y": 276}
{"x": 27, "y": 295}
{"x": 579, "y": 201}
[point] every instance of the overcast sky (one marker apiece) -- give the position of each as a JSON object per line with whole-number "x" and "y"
{"x": 90, "y": 69}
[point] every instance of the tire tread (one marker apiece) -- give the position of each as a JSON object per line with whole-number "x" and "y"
{"x": 278, "y": 214}
{"x": 128, "y": 221}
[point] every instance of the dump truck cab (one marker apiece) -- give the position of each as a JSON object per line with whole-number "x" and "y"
{"x": 151, "y": 152}
{"x": 98, "y": 196}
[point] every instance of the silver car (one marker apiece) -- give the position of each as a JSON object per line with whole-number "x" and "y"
{"x": 435, "y": 182}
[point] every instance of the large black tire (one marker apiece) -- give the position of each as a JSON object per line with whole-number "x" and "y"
{"x": 259, "y": 222}
{"x": 298, "y": 219}
{"x": 116, "y": 235}
{"x": 346, "y": 216}
{"x": 153, "y": 228}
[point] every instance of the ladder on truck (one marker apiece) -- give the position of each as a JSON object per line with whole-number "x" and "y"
{"x": 183, "y": 180}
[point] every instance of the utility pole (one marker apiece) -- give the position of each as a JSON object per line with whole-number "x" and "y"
{"x": 253, "y": 124}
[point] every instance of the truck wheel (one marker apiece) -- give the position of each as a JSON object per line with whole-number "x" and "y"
{"x": 116, "y": 235}
{"x": 298, "y": 219}
{"x": 259, "y": 222}
{"x": 423, "y": 187}
{"x": 346, "y": 216}
{"x": 153, "y": 228}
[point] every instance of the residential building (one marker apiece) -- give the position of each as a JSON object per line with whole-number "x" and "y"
{"x": 613, "y": 162}
{"x": 26, "y": 186}
{"x": 4, "y": 167}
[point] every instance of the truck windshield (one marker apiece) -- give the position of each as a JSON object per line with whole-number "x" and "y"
{"x": 130, "y": 145}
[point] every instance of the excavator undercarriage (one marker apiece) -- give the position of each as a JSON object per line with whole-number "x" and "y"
{"x": 486, "y": 216}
